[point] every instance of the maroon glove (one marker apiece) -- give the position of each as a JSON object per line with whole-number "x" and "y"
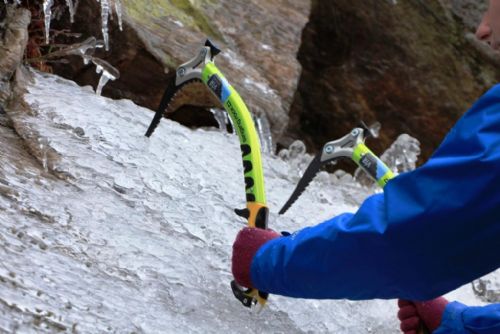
{"x": 247, "y": 243}
{"x": 413, "y": 314}
{"x": 408, "y": 316}
{"x": 431, "y": 312}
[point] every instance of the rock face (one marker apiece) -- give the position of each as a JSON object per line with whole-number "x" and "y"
{"x": 468, "y": 11}
{"x": 259, "y": 39}
{"x": 14, "y": 36}
{"x": 407, "y": 64}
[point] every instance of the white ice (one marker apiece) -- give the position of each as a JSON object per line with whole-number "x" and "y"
{"x": 221, "y": 118}
{"x": 71, "y": 10}
{"x": 104, "y": 22}
{"x": 487, "y": 288}
{"x": 118, "y": 11}
{"x": 400, "y": 157}
{"x": 103, "y": 230}
{"x": 263, "y": 128}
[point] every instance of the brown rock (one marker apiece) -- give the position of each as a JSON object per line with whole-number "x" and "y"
{"x": 14, "y": 33}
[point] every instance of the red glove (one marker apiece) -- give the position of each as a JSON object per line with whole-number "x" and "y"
{"x": 431, "y": 312}
{"x": 408, "y": 316}
{"x": 247, "y": 243}
{"x": 413, "y": 314}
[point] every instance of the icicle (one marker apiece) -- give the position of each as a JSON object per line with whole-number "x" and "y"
{"x": 47, "y": 10}
{"x": 71, "y": 9}
{"x": 108, "y": 73}
{"x": 220, "y": 116}
{"x": 118, "y": 11}
{"x": 104, "y": 22}
{"x": 43, "y": 146}
{"x": 264, "y": 131}
{"x": 84, "y": 49}
{"x": 375, "y": 129}
{"x": 230, "y": 122}
{"x": 103, "y": 80}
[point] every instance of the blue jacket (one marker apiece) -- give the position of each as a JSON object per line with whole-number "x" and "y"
{"x": 431, "y": 231}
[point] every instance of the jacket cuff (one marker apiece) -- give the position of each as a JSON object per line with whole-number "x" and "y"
{"x": 258, "y": 268}
{"x": 452, "y": 321}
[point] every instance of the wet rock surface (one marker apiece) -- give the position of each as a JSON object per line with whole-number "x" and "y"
{"x": 14, "y": 36}
{"x": 467, "y": 11}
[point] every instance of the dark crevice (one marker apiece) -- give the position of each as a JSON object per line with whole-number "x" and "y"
{"x": 194, "y": 117}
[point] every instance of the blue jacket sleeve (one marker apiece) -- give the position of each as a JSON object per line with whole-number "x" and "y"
{"x": 432, "y": 230}
{"x": 460, "y": 319}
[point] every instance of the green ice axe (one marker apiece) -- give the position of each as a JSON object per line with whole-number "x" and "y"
{"x": 351, "y": 146}
{"x": 201, "y": 69}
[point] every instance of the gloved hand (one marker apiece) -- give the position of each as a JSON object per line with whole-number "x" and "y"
{"x": 413, "y": 314}
{"x": 247, "y": 243}
{"x": 408, "y": 316}
{"x": 431, "y": 312}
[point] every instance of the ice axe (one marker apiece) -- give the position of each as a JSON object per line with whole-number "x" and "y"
{"x": 201, "y": 70}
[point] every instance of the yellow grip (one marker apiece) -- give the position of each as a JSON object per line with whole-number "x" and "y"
{"x": 258, "y": 214}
